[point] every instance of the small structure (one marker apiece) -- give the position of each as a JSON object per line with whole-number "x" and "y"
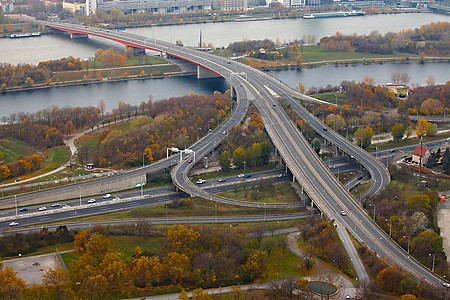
{"x": 417, "y": 154}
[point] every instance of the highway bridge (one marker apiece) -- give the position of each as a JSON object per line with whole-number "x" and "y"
{"x": 328, "y": 194}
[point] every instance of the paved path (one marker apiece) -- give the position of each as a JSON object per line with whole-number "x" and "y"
{"x": 443, "y": 216}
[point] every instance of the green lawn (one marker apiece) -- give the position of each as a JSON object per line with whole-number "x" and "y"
{"x": 276, "y": 193}
{"x": 12, "y": 148}
{"x": 56, "y": 157}
{"x": 314, "y": 53}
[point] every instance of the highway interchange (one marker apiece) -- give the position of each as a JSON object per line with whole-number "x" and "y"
{"x": 320, "y": 184}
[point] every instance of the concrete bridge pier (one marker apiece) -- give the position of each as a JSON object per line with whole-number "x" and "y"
{"x": 137, "y": 51}
{"x": 205, "y": 73}
{"x": 78, "y": 36}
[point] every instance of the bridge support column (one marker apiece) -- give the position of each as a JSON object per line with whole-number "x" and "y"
{"x": 137, "y": 51}
{"x": 205, "y": 73}
{"x": 78, "y": 36}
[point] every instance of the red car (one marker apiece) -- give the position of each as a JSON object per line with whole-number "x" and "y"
{"x": 189, "y": 160}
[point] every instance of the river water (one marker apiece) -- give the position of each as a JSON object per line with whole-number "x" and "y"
{"x": 33, "y": 50}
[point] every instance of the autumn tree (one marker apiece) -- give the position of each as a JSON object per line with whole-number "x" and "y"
{"x": 147, "y": 271}
{"x": 431, "y": 106}
{"x": 239, "y": 157}
{"x": 254, "y": 264}
{"x": 11, "y": 286}
{"x": 363, "y": 136}
{"x": 176, "y": 267}
{"x": 58, "y": 282}
{"x": 422, "y": 127}
{"x": 181, "y": 239}
{"x": 397, "y": 131}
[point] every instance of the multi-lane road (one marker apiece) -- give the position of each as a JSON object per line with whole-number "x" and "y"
{"x": 321, "y": 186}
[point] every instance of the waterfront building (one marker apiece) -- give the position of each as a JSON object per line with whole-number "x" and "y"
{"x": 156, "y": 6}
{"x": 233, "y": 4}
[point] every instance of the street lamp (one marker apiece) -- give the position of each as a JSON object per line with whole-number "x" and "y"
{"x": 167, "y": 220}
{"x": 390, "y": 226}
{"x": 409, "y": 240}
{"x": 216, "y": 211}
{"x": 15, "y": 201}
{"x": 143, "y": 161}
{"x": 80, "y": 194}
{"x": 142, "y": 191}
{"x": 265, "y": 212}
{"x": 244, "y": 167}
{"x": 434, "y": 256}
{"x": 370, "y": 205}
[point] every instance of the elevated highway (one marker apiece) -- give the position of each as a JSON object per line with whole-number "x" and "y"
{"x": 317, "y": 180}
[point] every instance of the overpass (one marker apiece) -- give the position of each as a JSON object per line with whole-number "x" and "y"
{"x": 316, "y": 179}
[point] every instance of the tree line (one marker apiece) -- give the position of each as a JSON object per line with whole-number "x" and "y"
{"x": 171, "y": 122}
{"x": 191, "y": 257}
{"x": 27, "y": 75}
{"x": 430, "y": 39}
{"x": 21, "y": 166}
{"x": 428, "y": 100}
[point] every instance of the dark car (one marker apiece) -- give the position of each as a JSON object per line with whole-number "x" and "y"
{"x": 325, "y": 129}
{"x": 247, "y": 176}
{"x": 24, "y": 209}
{"x": 360, "y": 177}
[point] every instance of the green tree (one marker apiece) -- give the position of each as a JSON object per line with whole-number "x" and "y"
{"x": 266, "y": 151}
{"x": 225, "y": 161}
{"x": 315, "y": 144}
{"x": 419, "y": 203}
{"x": 397, "y": 131}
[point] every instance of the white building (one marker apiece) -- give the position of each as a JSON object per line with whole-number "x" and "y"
{"x": 156, "y": 6}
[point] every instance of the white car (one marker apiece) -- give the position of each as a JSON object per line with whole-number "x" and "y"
{"x": 200, "y": 181}
{"x": 446, "y": 284}
{"x": 106, "y": 196}
{"x": 66, "y": 206}
{"x": 91, "y": 200}
{"x": 13, "y": 224}
{"x": 241, "y": 175}
{"x": 42, "y": 208}
{"x": 116, "y": 198}
{"x": 343, "y": 213}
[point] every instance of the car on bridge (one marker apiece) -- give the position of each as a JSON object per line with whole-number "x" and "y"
{"x": 106, "y": 196}
{"x": 241, "y": 176}
{"x": 13, "y": 224}
{"x": 55, "y": 205}
{"x": 24, "y": 209}
{"x": 200, "y": 181}
{"x": 42, "y": 208}
{"x": 222, "y": 180}
{"x": 247, "y": 176}
{"x": 91, "y": 201}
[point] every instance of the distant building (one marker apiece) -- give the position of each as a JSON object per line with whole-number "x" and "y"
{"x": 75, "y": 6}
{"x": 234, "y": 4}
{"x": 156, "y": 6}
{"x": 399, "y": 90}
{"x": 416, "y": 155}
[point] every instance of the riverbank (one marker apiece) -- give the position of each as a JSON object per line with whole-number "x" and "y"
{"x": 188, "y": 72}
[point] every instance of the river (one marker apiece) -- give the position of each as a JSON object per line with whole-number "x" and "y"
{"x": 48, "y": 47}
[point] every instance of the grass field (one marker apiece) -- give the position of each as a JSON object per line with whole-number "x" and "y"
{"x": 313, "y": 53}
{"x": 55, "y": 157}
{"x": 276, "y": 193}
{"x": 12, "y": 148}
{"x": 201, "y": 207}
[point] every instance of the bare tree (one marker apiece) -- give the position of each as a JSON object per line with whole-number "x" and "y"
{"x": 366, "y": 290}
{"x": 283, "y": 288}
{"x": 101, "y": 106}
{"x": 404, "y": 78}
{"x": 258, "y": 232}
{"x": 395, "y": 77}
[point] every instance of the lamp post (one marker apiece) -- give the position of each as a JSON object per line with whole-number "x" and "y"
{"x": 370, "y": 205}
{"x": 142, "y": 191}
{"x": 409, "y": 240}
{"x": 143, "y": 161}
{"x": 15, "y": 201}
{"x": 420, "y": 160}
{"x": 434, "y": 256}
{"x": 244, "y": 167}
{"x": 167, "y": 219}
{"x": 109, "y": 164}
{"x": 390, "y": 226}
{"x": 80, "y": 193}
{"x": 216, "y": 211}
{"x": 265, "y": 212}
